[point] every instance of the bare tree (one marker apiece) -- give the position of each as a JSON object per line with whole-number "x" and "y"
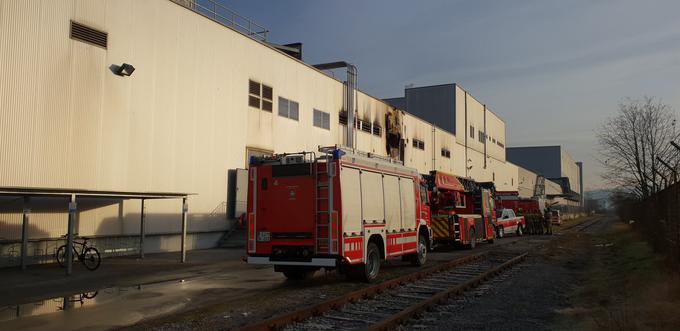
{"x": 633, "y": 141}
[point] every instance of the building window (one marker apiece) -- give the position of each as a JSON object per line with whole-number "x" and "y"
{"x": 260, "y": 96}
{"x": 322, "y": 119}
{"x": 459, "y": 200}
{"x": 267, "y": 98}
{"x": 365, "y": 126}
{"x": 419, "y": 144}
{"x": 343, "y": 117}
{"x": 288, "y": 109}
{"x": 446, "y": 153}
{"x": 377, "y": 130}
{"x": 501, "y": 144}
{"x": 493, "y": 176}
{"x": 472, "y": 132}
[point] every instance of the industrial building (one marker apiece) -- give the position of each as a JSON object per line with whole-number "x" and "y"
{"x": 146, "y": 98}
{"x": 555, "y": 164}
{"x": 479, "y": 144}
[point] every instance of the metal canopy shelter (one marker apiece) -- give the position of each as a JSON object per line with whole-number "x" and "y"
{"x": 72, "y": 195}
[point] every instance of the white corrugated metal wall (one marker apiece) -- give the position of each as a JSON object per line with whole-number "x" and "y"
{"x": 179, "y": 123}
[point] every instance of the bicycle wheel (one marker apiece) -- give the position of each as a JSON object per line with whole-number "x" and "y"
{"x": 61, "y": 256}
{"x": 91, "y": 258}
{"x": 90, "y": 295}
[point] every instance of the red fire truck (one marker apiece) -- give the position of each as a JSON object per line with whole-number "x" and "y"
{"x": 462, "y": 210}
{"x": 342, "y": 209}
{"x": 525, "y": 206}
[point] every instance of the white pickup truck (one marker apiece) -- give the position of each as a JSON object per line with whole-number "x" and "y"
{"x": 507, "y": 222}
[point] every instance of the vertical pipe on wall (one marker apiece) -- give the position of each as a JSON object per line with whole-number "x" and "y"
{"x": 467, "y": 134}
{"x": 24, "y": 232}
{"x": 434, "y": 147}
{"x": 351, "y": 88}
{"x": 185, "y": 209}
{"x": 72, "y": 208}
{"x": 142, "y": 230}
{"x": 580, "y": 181}
{"x": 484, "y": 136}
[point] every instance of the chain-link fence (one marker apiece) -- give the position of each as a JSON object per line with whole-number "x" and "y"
{"x": 658, "y": 220}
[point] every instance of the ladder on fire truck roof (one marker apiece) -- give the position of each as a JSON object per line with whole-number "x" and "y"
{"x": 326, "y": 241}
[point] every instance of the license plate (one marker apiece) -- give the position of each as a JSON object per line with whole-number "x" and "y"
{"x": 264, "y": 236}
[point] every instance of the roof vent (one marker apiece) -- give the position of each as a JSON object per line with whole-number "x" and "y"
{"x": 89, "y": 35}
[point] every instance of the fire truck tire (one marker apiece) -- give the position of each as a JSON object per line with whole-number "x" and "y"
{"x": 367, "y": 272}
{"x": 420, "y": 257}
{"x": 473, "y": 241}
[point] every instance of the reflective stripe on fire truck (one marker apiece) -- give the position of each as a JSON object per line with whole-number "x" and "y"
{"x": 398, "y": 243}
{"x": 410, "y": 241}
{"x": 353, "y": 249}
{"x": 440, "y": 227}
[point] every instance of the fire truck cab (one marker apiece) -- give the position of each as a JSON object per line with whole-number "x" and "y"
{"x": 341, "y": 209}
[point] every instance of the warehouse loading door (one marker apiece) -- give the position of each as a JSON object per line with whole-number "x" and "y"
{"x": 241, "y": 203}
{"x": 237, "y": 184}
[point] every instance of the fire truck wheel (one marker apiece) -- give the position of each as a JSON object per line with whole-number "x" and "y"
{"x": 473, "y": 241}
{"x": 420, "y": 257}
{"x": 368, "y": 271}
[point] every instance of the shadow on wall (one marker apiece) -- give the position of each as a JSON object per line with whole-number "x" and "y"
{"x": 113, "y": 231}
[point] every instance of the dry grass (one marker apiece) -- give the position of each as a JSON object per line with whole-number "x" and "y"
{"x": 626, "y": 286}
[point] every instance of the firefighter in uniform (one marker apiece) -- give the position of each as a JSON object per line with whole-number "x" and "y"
{"x": 547, "y": 222}
{"x": 533, "y": 223}
{"x": 530, "y": 223}
{"x": 528, "y": 227}
{"x": 538, "y": 223}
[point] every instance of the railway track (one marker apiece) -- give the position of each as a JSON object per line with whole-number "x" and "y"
{"x": 579, "y": 227}
{"x": 392, "y": 303}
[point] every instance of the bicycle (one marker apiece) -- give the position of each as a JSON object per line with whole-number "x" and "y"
{"x": 89, "y": 256}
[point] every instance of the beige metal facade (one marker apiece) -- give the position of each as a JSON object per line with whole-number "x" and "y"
{"x": 179, "y": 123}
{"x": 570, "y": 169}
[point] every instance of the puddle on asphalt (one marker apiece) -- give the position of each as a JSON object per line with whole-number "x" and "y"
{"x": 88, "y": 299}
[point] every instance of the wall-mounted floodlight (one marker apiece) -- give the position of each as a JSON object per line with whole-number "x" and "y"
{"x": 125, "y": 69}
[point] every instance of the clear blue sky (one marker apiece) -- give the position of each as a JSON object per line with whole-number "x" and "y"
{"x": 552, "y": 69}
